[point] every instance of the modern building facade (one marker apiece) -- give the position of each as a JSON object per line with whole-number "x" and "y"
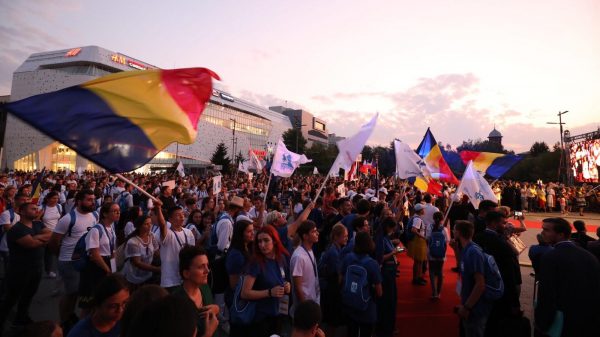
{"x": 313, "y": 129}
{"x": 239, "y": 124}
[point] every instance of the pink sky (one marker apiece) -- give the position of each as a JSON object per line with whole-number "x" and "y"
{"x": 457, "y": 66}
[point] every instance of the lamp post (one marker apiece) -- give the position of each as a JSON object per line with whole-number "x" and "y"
{"x": 562, "y": 148}
{"x": 233, "y": 141}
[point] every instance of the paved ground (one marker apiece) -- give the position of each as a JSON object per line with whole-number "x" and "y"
{"x": 45, "y": 303}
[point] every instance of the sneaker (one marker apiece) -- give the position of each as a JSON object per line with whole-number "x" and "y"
{"x": 51, "y": 274}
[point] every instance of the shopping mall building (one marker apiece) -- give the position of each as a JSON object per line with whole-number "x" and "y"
{"x": 237, "y": 123}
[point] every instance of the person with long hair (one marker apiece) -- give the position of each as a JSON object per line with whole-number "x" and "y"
{"x": 109, "y": 300}
{"x": 195, "y": 223}
{"x": 141, "y": 248}
{"x": 268, "y": 283}
{"x": 386, "y": 255}
{"x": 194, "y": 269}
{"x": 328, "y": 272}
{"x": 128, "y": 218}
{"x": 239, "y": 254}
{"x": 51, "y": 213}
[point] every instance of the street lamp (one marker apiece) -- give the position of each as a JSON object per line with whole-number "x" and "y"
{"x": 562, "y": 148}
{"x": 233, "y": 140}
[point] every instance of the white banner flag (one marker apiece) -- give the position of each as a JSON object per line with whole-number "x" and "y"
{"x": 475, "y": 186}
{"x": 351, "y": 147}
{"x": 256, "y": 163}
{"x": 243, "y": 166}
{"x": 286, "y": 161}
{"x": 216, "y": 185}
{"x": 180, "y": 169}
{"x": 408, "y": 162}
{"x": 315, "y": 171}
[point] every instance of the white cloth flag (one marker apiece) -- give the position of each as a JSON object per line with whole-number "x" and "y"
{"x": 408, "y": 162}
{"x": 244, "y": 166}
{"x": 180, "y": 169}
{"x": 256, "y": 163}
{"x": 351, "y": 147}
{"x": 286, "y": 161}
{"x": 216, "y": 185}
{"x": 475, "y": 186}
{"x": 315, "y": 171}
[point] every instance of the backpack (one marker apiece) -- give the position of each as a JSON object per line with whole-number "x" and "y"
{"x": 241, "y": 311}
{"x": 59, "y": 206}
{"x": 214, "y": 239}
{"x": 437, "y": 244}
{"x": 123, "y": 202}
{"x": 80, "y": 256}
{"x": 494, "y": 286}
{"x": 73, "y": 219}
{"x": 408, "y": 234}
{"x": 355, "y": 291}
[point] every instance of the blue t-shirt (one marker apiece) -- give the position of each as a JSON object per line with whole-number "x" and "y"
{"x": 347, "y": 222}
{"x": 285, "y": 240}
{"x": 348, "y": 248}
{"x": 84, "y": 328}
{"x": 235, "y": 262}
{"x": 267, "y": 276}
{"x": 383, "y": 246}
{"x": 330, "y": 261}
{"x": 472, "y": 261}
{"x": 373, "y": 276}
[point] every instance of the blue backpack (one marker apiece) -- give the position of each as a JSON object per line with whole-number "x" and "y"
{"x": 355, "y": 291}
{"x": 241, "y": 311}
{"x": 437, "y": 244}
{"x": 494, "y": 286}
{"x": 80, "y": 257}
{"x": 214, "y": 239}
{"x": 408, "y": 234}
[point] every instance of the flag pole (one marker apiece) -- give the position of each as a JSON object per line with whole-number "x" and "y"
{"x": 447, "y": 212}
{"x": 267, "y": 190}
{"x": 322, "y": 185}
{"x": 120, "y": 176}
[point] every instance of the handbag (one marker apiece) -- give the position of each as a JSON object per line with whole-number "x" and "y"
{"x": 242, "y": 311}
{"x": 516, "y": 242}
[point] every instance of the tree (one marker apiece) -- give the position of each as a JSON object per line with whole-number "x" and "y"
{"x": 367, "y": 153}
{"x": 538, "y": 148}
{"x": 322, "y": 157}
{"x": 220, "y": 157}
{"x": 481, "y": 146}
{"x": 294, "y": 140}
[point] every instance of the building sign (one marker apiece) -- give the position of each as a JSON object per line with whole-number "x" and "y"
{"x": 260, "y": 153}
{"x": 73, "y": 52}
{"x": 127, "y": 62}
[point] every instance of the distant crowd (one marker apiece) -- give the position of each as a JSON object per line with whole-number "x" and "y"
{"x": 258, "y": 260}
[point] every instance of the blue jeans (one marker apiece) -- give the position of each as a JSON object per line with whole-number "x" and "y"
{"x": 474, "y": 326}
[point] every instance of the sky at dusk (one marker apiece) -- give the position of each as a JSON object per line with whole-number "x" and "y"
{"x": 459, "y": 67}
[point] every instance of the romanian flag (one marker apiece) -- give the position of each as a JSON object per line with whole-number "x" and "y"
{"x": 36, "y": 187}
{"x": 431, "y": 153}
{"x": 428, "y": 185}
{"x": 121, "y": 121}
{"x": 493, "y": 164}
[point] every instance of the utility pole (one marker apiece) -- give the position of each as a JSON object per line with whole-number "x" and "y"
{"x": 562, "y": 162}
{"x": 233, "y": 141}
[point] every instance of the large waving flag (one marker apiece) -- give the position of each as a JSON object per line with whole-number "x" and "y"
{"x": 408, "y": 162}
{"x": 121, "y": 121}
{"x": 430, "y": 151}
{"x": 286, "y": 161}
{"x": 36, "y": 187}
{"x": 493, "y": 164}
{"x": 475, "y": 186}
{"x": 351, "y": 147}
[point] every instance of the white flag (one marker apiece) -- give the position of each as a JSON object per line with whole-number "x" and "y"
{"x": 256, "y": 163}
{"x": 475, "y": 186}
{"x": 243, "y": 166}
{"x": 80, "y": 171}
{"x": 351, "y": 147}
{"x": 315, "y": 171}
{"x": 216, "y": 185}
{"x": 286, "y": 161}
{"x": 180, "y": 169}
{"x": 408, "y": 162}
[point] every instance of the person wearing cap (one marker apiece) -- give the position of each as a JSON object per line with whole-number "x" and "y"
{"x": 417, "y": 246}
{"x": 383, "y": 193}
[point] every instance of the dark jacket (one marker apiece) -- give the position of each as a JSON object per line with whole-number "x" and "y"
{"x": 496, "y": 245}
{"x": 569, "y": 282}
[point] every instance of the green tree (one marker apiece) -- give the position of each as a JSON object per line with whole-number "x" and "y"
{"x": 538, "y": 148}
{"x": 322, "y": 157}
{"x": 294, "y": 140}
{"x": 220, "y": 157}
{"x": 481, "y": 146}
{"x": 367, "y": 153}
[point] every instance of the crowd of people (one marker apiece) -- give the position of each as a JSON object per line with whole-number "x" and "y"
{"x": 180, "y": 260}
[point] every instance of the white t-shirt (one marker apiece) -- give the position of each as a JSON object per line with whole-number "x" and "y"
{"x": 194, "y": 230}
{"x": 5, "y": 219}
{"x": 129, "y": 228}
{"x": 51, "y": 216}
{"x": 169, "y": 255}
{"x": 224, "y": 232}
{"x": 301, "y": 264}
{"x": 254, "y": 214}
{"x": 419, "y": 225}
{"x": 82, "y": 223}
{"x": 145, "y": 251}
{"x": 105, "y": 242}
{"x": 428, "y": 214}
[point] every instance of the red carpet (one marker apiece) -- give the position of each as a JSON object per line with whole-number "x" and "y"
{"x": 417, "y": 314}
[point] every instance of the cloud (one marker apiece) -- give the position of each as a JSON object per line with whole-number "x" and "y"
{"x": 21, "y": 33}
